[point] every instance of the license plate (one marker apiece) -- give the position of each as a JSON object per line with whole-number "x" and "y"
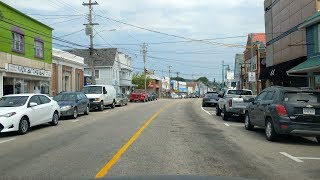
{"x": 309, "y": 111}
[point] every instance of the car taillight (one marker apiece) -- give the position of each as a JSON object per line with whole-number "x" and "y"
{"x": 230, "y": 102}
{"x": 281, "y": 110}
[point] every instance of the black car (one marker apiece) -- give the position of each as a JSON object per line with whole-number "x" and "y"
{"x": 285, "y": 110}
{"x": 210, "y": 99}
{"x": 153, "y": 96}
{"x": 72, "y": 103}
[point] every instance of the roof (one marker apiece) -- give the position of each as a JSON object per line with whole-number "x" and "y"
{"x": 308, "y": 65}
{"x": 256, "y": 37}
{"x": 19, "y": 12}
{"x": 303, "y": 89}
{"x": 315, "y": 19}
{"x": 101, "y": 57}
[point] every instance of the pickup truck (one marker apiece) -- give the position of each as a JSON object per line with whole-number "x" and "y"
{"x": 233, "y": 102}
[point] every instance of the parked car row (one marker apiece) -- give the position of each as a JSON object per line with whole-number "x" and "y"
{"x": 278, "y": 110}
{"x": 20, "y": 112}
{"x": 143, "y": 96}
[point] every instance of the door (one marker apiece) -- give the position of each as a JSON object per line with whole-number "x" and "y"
{"x": 254, "y": 108}
{"x": 125, "y": 99}
{"x": 106, "y": 96}
{"x": 47, "y": 108}
{"x": 81, "y": 103}
{"x": 37, "y": 113}
{"x": 263, "y": 107}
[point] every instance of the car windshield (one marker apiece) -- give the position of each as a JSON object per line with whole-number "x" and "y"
{"x": 65, "y": 97}
{"x": 307, "y": 97}
{"x": 13, "y": 101}
{"x": 92, "y": 90}
{"x": 211, "y": 95}
{"x": 240, "y": 92}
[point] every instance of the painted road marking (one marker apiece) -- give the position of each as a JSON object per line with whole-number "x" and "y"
{"x": 309, "y": 158}
{"x": 205, "y": 111}
{"x": 291, "y": 157}
{"x": 123, "y": 149}
{"x": 75, "y": 120}
{"x": 105, "y": 111}
{"x": 7, "y": 140}
{"x": 226, "y": 124}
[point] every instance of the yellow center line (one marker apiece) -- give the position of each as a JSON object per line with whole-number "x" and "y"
{"x": 123, "y": 149}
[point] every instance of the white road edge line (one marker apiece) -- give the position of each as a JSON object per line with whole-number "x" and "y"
{"x": 291, "y": 157}
{"x": 226, "y": 124}
{"x": 310, "y": 158}
{"x": 7, "y": 140}
{"x": 205, "y": 111}
{"x": 106, "y": 112}
{"x": 75, "y": 120}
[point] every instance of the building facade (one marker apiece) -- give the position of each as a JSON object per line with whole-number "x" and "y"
{"x": 311, "y": 67}
{"x": 155, "y": 84}
{"x": 106, "y": 65}
{"x": 25, "y": 53}
{"x": 238, "y": 63}
{"x": 254, "y": 62}
{"x": 125, "y": 73}
{"x": 286, "y": 43}
{"x": 67, "y": 72}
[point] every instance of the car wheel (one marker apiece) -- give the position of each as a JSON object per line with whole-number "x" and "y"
{"x": 75, "y": 113}
{"x": 225, "y": 114}
{"x": 203, "y": 105}
{"x": 218, "y": 111}
{"x": 101, "y": 107}
{"x": 270, "y": 133}
{"x": 318, "y": 139}
{"x": 113, "y": 105}
{"x": 23, "y": 126}
{"x": 247, "y": 122}
{"x": 55, "y": 119}
{"x": 87, "y": 110}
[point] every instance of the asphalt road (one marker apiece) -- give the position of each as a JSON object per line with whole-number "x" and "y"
{"x": 164, "y": 137}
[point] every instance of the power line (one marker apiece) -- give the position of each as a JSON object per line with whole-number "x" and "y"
{"x": 71, "y": 33}
{"x": 65, "y": 21}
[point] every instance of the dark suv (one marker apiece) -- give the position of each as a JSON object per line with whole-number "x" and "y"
{"x": 285, "y": 110}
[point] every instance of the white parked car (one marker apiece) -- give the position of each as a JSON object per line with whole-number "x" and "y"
{"x": 19, "y": 112}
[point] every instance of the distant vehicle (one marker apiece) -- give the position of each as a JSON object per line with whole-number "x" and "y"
{"x": 121, "y": 99}
{"x": 100, "y": 96}
{"x": 233, "y": 102}
{"x": 153, "y": 96}
{"x": 210, "y": 99}
{"x": 139, "y": 95}
{"x": 285, "y": 110}
{"x": 192, "y": 95}
{"x": 72, "y": 103}
{"x": 182, "y": 95}
{"x": 19, "y": 112}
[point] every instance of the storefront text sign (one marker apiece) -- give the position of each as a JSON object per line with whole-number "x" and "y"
{"x": 28, "y": 70}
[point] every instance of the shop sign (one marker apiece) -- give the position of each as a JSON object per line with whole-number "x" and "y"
{"x": 252, "y": 76}
{"x": 28, "y": 70}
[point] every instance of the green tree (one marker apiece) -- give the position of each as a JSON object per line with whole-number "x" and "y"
{"x": 138, "y": 79}
{"x": 205, "y": 80}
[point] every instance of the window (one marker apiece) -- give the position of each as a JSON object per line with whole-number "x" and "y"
{"x": 17, "y": 42}
{"x": 35, "y": 99}
{"x": 270, "y": 95}
{"x": 79, "y": 97}
{"x": 96, "y": 74}
{"x": 261, "y": 96}
{"x": 38, "y": 48}
{"x": 44, "y": 99}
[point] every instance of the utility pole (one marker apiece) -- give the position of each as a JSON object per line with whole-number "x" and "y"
{"x": 222, "y": 74}
{"x": 178, "y": 80}
{"x": 144, "y": 51}
{"x": 170, "y": 77}
{"x": 89, "y": 31}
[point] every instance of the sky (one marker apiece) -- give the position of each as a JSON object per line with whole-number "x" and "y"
{"x": 224, "y": 22}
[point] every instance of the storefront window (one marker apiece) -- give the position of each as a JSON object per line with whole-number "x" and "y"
{"x": 44, "y": 88}
{"x": 18, "y": 88}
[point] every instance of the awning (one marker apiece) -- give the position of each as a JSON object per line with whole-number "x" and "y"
{"x": 310, "y": 65}
{"x": 279, "y": 71}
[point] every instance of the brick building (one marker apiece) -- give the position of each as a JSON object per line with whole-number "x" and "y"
{"x": 67, "y": 72}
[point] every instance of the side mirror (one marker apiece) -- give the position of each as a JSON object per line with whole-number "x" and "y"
{"x": 219, "y": 95}
{"x": 32, "y": 104}
{"x": 105, "y": 92}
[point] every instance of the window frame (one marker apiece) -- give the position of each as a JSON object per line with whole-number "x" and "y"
{"x": 95, "y": 77}
{"x": 38, "y": 40}
{"x": 16, "y": 33}
{"x": 35, "y": 96}
{"x": 39, "y": 96}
